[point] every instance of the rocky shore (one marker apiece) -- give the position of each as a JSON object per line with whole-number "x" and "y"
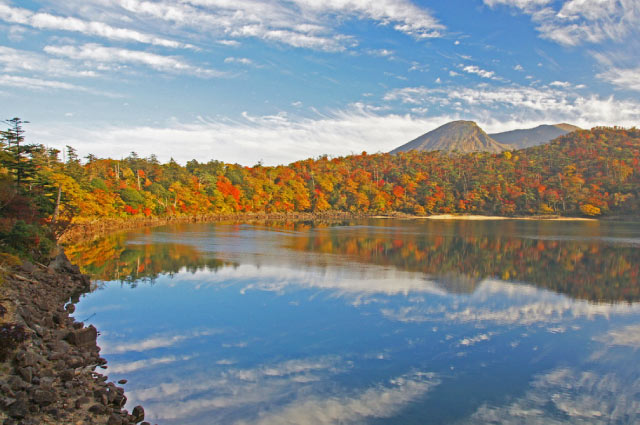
{"x": 48, "y": 361}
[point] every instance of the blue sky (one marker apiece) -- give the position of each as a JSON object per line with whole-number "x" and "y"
{"x": 276, "y": 81}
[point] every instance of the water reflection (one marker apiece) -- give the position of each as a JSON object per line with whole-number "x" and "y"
{"x": 114, "y": 257}
{"x": 372, "y": 322}
{"x": 585, "y": 261}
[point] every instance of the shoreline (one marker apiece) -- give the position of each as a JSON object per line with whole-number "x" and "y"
{"x": 86, "y": 230}
{"x": 498, "y": 217}
{"x": 50, "y": 377}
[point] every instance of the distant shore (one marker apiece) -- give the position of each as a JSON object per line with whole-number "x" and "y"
{"x": 498, "y": 217}
{"x": 100, "y": 227}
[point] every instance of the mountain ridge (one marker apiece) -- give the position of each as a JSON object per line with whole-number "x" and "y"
{"x": 524, "y": 138}
{"x": 462, "y": 136}
{"x": 467, "y": 136}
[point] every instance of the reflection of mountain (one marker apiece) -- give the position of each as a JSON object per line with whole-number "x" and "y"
{"x": 111, "y": 258}
{"x": 582, "y": 269}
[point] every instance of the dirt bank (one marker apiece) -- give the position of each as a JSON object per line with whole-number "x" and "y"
{"x": 48, "y": 370}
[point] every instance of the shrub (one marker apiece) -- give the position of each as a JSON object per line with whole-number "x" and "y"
{"x": 98, "y": 183}
{"x": 27, "y": 240}
{"x": 590, "y": 210}
{"x": 131, "y": 196}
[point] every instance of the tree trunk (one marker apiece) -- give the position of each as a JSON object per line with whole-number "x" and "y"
{"x": 56, "y": 211}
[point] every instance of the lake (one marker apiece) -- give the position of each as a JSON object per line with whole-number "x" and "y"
{"x": 371, "y": 321}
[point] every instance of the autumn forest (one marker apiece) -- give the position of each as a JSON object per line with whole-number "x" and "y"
{"x": 584, "y": 173}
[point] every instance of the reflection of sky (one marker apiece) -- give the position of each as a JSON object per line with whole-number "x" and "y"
{"x": 291, "y": 341}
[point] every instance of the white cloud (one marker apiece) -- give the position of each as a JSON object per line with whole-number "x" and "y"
{"x": 241, "y": 61}
{"x": 404, "y": 15}
{"x": 505, "y": 106}
{"x": 628, "y": 336}
{"x": 298, "y": 23}
{"x": 382, "y": 401}
{"x": 40, "y": 84}
{"x": 624, "y": 78}
{"x": 580, "y": 21}
{"x": 46, "y": 21}
{"x": 146, "y": 363}
{"x": 151, "y": 343}
{"x": 342, "y": 282}
{"x": 567, "y": 395}
{"x": 563, "y": 84}
{"x": 528, "y": 305}
{"x": 273, "y": 138}
{"x": 518, "y": 68}
{"x": 472, "y": 69}
{"x": 14, "y": 60}
{"x": 93, "y": 53}
{"x": 380, "y": 52}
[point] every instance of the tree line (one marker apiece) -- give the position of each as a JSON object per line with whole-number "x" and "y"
{"x": 587, "y": 173}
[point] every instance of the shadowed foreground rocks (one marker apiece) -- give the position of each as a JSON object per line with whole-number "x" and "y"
{"x": 48, "y": 374}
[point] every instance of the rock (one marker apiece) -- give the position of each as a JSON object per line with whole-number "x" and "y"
{"x": 83, "y": 337}
{"x": 62, "y": 264}
{"x": 81, "y": 401}
{"x": 16, "y": 383}
{"x": 25, "y": 359}
{"x": 28, "y": 267}
{"x": 26, "y": 373}
{"x": 114, "y": 419}
{"x": 138, "y": 414}
{"x": 97, "y": 409}
{"x": 6, "y": 401}
{"x": 74, "y": 361}
{"x": 18, "y": 410}
{"x": 43, "y": 397}
{"x": 67, "y": 375}
{"x": 116, "y": 398}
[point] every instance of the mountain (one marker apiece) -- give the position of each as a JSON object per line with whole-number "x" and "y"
{"x": 462, "y": 136}
{"x": 519, "y": 139}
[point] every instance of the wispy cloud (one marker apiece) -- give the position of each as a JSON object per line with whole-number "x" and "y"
{"x": 241, "y": 61}
{"x": 47, "y": 21}
{"x": 38, "y": 83}
{"x": 624, "y": 78}
{"x": 628, "y": 336}
{"x": 473, "y": 69}
{"x": 579, "y": 22}
{"x": 153, "y": 342}
{"x": 14, "y": 60}
{"x": 527, "y": 306}
{"x": 568, "y": 395}
{"x": 273, "y": 139}
{"x": 382, "y": 401}
{"x": 297, "y": 23}
{"x": 146, "y": 363}
{"x": 102, "y": 54}
{"x": 492, "y": 105}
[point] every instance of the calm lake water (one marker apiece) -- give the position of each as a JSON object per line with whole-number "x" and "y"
{"x": 375, "y": 321}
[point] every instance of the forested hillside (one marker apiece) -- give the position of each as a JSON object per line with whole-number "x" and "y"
{"x": 585, "y": 173}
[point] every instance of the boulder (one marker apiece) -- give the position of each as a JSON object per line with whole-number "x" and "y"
{"x": 43, "y": 397}
{"x": 138, "y": 414}
{"x": 83, "y": 337}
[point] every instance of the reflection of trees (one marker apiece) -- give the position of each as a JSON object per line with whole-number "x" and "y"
{"x": 458, "y": 261}
{"x": 111, "y": 258}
